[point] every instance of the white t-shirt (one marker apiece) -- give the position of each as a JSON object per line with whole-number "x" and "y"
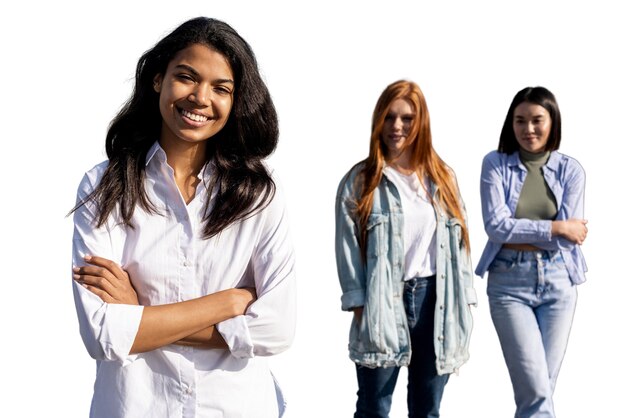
{"x": 420, "y": 225}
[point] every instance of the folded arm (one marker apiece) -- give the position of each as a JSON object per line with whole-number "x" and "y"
{"x": 502, "y": 227}
{"x": 113, "y": 326}
{"x": 268, "y": 326}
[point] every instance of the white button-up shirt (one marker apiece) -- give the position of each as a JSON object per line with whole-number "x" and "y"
{"x": 169, "y": 261}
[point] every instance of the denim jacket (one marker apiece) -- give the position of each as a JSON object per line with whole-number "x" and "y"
{"x": 381, "y": 338}
{"x": 501, "y": 182}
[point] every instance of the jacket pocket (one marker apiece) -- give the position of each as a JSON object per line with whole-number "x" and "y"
{"x": 377, "y": 226}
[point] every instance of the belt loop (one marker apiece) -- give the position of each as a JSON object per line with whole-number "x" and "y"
{"x": 520, "y": 256}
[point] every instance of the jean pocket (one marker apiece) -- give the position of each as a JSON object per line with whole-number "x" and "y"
{"x": 501, "y": 265}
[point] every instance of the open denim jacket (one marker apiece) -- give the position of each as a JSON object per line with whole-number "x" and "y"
{"x": 382, "y": 339}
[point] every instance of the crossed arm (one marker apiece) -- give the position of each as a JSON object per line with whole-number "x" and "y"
{"x": 185, "y": 323}
{"x": 569, "y": 229}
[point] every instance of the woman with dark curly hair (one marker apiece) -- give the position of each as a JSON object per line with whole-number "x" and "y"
{"x": 183, "y": 266}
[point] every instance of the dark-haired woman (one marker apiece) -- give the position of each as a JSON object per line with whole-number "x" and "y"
{"x": 532, "y": 204}
{"x": 402, "y": 252}
{"x": 184, "y": 271}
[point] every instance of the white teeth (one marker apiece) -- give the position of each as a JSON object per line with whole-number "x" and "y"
{"x": 193, "y": 116}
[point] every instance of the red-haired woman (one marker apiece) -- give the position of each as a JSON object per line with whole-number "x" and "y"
{"x": 402, "y": 251}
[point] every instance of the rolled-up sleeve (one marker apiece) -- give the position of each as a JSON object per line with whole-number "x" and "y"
{"x": 500, "y": 224}
{"x": 350, "y": 266}
{"x": 108, "y": 330}
{"x": 268, "y": 327}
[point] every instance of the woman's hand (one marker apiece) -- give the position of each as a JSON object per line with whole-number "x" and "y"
{"x": 107, "y": 280}
{"x": 358, "y": 313}
{"x": 574, "y": 230}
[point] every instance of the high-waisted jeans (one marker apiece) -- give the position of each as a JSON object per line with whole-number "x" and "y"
{"x": 425, "y": 387}
{"x": 532, "y": 303}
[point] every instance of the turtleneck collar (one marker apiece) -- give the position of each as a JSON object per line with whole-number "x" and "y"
{"x": 537, "y": 158}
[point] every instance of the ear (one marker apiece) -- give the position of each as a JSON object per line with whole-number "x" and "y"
{"x": 157, "y": 83}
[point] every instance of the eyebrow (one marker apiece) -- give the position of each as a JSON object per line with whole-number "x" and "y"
{"x": 195, "y": 73}
{"x": 392, "y": 114}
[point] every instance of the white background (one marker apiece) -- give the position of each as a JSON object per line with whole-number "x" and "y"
{"x": 67, "y": 68}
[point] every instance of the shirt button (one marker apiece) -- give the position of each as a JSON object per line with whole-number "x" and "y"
{"x": 442, "y": 245}
{"x": 440, "y": 338}
{"x": 186, "y": 263}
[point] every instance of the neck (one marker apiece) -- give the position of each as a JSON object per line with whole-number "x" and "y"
{"x": 401, "y": 163}
{"x": 186, "y": 159}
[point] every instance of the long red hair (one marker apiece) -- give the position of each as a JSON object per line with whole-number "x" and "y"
{"x": 423, "y": 158}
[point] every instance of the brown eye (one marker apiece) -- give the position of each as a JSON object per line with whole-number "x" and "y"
{"x": 184, "y": 77}
{"x": 223, "y": 90}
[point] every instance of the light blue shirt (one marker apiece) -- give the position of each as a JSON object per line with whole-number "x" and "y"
{"x": 501, "y": 182}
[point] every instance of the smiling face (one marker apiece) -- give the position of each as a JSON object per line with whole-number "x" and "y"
{"x": 532, "y": 125}
{"x": 397, "y": 127}
{"x": 195, "y": 95}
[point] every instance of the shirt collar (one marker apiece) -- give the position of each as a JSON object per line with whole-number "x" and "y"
{"x": 157, "y": 152}
{"x": 553, "y": 161}
{"x": 154, "y": 149}
{"x": 552, "y": 164}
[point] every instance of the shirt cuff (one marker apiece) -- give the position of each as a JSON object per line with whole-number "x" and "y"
{"x": 119, "y": 331}
{"x": 237, "y": 335}
{"x": 352, "y": 299}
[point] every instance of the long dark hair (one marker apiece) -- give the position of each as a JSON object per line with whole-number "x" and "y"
{"x": 241, "y": 181}
{"x": 536, "y": 95}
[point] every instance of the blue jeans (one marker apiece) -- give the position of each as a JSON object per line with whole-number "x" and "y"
{"x": 425, "y": 387}
{"x": 532, "y": 302}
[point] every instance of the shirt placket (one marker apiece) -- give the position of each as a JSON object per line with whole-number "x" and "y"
{"x": 187, "y": 283}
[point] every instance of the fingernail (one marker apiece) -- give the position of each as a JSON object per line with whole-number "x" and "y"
{"x": 75, "y": 269}
{"x": 76, "y": 276}
{"x": 87, "y": 257}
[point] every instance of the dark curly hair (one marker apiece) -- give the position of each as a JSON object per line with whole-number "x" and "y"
{"x": 242, "y": 183}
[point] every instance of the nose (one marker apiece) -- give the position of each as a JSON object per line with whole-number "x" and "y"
{"x": 201, "y": 95}
{"x": 397, "y": 124}
{"x": 529, "y": 127}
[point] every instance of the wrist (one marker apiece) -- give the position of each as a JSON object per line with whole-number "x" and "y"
{"x": 557, "y": 228}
